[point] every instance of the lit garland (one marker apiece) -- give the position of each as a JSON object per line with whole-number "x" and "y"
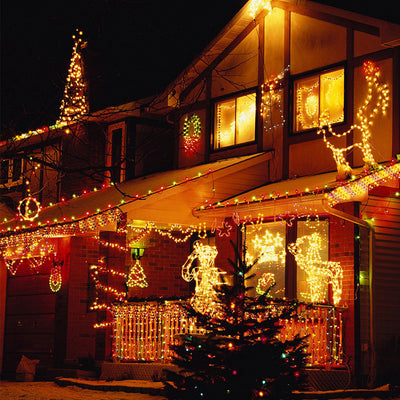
{"x": 136, "y": 276}
{"x": 358, "y": 188}
{"x": 257, "y": 5}
{"x": 272, "y": 100}
{"x": 74, "y": 104}
{"x": 90, "y": 221}
{"x": 95, "y": 271}
{"x": 206, "y": 277}
{"x": 187, "y": 232}
{"x": 319, "y": 273}
{"x": 191, "y": 133}
{"x": 365, "y": 116}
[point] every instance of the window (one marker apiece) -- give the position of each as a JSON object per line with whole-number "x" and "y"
{"x": 311, "y": 285}
{"x": 235, "y": 121}
{"x": 308, "y": 276}
{"x": 319, "y": 97}
{"x": 116, "y": 152}
{"x": 11, "y": 172}
{"x": 266, "y": 242}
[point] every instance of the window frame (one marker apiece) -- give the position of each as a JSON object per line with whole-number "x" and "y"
{"x": 233, "y": 96}
{"x": 109, "y": 151}
{"x": 291, "y": 235}
{"x": 309, "y": 74}
{"x": 10, "y": 182}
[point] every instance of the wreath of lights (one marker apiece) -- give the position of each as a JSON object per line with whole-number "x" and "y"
{"x": 29, "y": 208}
{"x": 191, "y": 140}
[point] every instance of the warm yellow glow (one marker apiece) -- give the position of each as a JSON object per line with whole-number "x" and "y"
{"x": 55, "y": 279}
{"x": 319, "y": 95}
{"x": 307, "y": 253}
{"x": 266, "y": 247}
{"x": 136, "y": 276}
{"x": 235, "y": 121}
{"x": 257, "y": 6}
{"x": 377, "y": 100}
{"x": 206, "y": 277}
{"x": 74, "y": 104}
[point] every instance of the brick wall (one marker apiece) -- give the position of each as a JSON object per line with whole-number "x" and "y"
{"x": 341, "y": 249}
{"x": 80, "y": 332}
{"x": 162, "y": 264}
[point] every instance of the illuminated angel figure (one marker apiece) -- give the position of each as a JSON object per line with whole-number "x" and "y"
{"x": 206, "y": 277}
{"x": 377, "y": 91}
{"x": 319, "y": 273}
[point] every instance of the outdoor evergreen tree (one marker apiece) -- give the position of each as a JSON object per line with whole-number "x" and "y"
{"x": 240, "y": 356}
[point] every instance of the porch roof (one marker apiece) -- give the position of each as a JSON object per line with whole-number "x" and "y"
{"x": 302, "y": 196}
{"x": 165, "y": 197}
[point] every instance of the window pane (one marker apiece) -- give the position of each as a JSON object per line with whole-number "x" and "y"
{"x": 116, "y": 155}
{"x": 16, "y": 172}
{"x": 4, "y": 171}
{"x": 313, "y": 249}
{"x": 246, "y": 118}
{"x": 267, "y": 241}
{"x": 307, "y": 103}
{"x": 332, "y": 96}
{"x": 225, "y": 124}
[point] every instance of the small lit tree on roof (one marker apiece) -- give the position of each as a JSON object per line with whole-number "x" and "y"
{"x": 74, "y": 103}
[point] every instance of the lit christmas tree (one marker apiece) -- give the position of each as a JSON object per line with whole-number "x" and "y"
{"x": 136, "y": 276}
{"x": 74, "y": 103}
{"x": 240, "y": 357}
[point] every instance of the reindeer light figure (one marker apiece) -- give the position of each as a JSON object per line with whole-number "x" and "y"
{"x": 319, "y": 273}
{"x": 206, "y": 277}
{"x": 377, "y": 100}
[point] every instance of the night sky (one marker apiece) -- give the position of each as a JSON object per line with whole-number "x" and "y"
{"x": 135, "y": 48}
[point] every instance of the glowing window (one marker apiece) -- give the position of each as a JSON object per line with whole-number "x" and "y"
{"x": 319, "y": 97}
{"x": 235, "y": 121}
{"x": 312, "y": 282}
{"x": 267, "y": 244}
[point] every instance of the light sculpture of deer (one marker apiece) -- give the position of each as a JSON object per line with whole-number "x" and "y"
{"x": 319, "y": 273}
{"x": 377, "y": 101}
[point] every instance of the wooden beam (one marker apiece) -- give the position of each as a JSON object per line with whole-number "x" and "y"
{"x": 333, "y": 19}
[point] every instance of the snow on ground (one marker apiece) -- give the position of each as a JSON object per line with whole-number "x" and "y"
{"x": 51, "y": 391}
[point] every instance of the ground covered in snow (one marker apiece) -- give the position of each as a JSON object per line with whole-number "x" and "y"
{"x": 51, "y": 391}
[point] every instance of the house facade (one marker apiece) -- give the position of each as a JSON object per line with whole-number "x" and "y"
{"x": 281, "y": 137}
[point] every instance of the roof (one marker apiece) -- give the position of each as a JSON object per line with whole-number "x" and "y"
{"x": 165, "y": 198}
{"x": 243, "y": 21}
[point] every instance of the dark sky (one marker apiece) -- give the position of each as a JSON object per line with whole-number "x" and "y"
{"x": 135, "y": 48}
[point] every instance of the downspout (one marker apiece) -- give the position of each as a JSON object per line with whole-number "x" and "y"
{"x": 358, "y": 221}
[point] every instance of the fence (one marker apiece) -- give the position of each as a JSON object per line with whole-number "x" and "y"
{"x": 144, "y": 331}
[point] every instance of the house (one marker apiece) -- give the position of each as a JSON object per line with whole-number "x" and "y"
{"x": 285, "y": 135}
